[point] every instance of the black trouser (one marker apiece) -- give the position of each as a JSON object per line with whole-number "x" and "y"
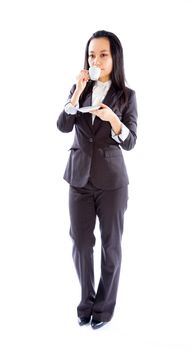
{"x": 109, "y": 205}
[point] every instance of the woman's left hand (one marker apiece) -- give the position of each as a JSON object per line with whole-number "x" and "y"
{"x": 104, "y": 113}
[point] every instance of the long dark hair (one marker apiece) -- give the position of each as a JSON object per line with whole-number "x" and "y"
{"x": 118, "y": 74}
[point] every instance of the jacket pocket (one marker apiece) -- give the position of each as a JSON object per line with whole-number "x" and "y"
{"x": 112, "y": 153}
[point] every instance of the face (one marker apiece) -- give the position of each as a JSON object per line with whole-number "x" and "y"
{"x": 99, "y": 55}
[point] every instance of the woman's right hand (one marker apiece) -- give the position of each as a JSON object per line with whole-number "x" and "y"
{"x": 81, "y": 80}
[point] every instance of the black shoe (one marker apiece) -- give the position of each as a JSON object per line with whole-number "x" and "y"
{"x": 95, "y": 324}
{"x": 83, "y": 320}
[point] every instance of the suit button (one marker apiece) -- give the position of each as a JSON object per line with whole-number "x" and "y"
{"x": 90, "y": 139}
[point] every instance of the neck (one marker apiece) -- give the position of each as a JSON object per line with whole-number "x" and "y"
{"x": 104, "y": 79}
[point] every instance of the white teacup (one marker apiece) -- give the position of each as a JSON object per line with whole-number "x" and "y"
{"x": 94, "y": 72}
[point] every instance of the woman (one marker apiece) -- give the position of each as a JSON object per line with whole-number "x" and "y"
{"x": 97, "y": 173}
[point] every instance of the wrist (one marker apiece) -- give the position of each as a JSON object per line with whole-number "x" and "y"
{"x": 116, "y": 124}
{"x": 75, "y": 97}
{"x": 113, "y": 118}
{"x": 78, "y": 91}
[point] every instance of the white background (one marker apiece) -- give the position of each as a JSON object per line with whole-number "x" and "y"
{"x": 42, "y": 50}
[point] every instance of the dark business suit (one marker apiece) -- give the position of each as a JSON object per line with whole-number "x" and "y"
{"x": 98, "y": 182}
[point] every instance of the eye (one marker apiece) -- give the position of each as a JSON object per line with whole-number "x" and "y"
{"x": 104, "y": 55}
{"x": 91, "y": 55}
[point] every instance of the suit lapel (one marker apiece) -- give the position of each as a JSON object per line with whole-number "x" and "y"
{"x": 112, "y": 97}
{"x": 109, "y": 100}
{"x": 88, "y": 102}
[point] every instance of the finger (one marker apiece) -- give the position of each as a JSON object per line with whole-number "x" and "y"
{"x": 95, "y": 111}
{"x": 84, "y": 73}
{"x": 84, "y": 70}
{"x": 102, "y": 105}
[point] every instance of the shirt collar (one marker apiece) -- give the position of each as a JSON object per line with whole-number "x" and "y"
{"x": 103, "y": 84}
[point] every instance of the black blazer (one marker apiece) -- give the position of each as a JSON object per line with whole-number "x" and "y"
{"x": 94, "y": 153}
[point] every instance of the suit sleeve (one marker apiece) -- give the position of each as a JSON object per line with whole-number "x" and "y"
{"x": 66, "y": 121}
{"x": 129, "y": 119}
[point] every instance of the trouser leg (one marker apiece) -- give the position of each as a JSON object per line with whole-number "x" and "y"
{"x": 110, "y": 208}
{"x": 83, "y": 217}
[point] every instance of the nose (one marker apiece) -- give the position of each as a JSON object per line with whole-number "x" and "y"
{"x": 96, "y": 62}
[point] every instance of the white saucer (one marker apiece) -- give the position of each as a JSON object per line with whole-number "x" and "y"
{"x": 88, "y": 109}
